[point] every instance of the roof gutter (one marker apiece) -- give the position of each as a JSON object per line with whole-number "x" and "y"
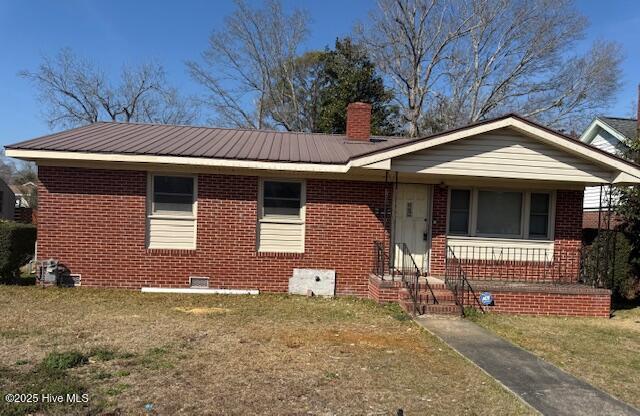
{"x": 36, "y": 155}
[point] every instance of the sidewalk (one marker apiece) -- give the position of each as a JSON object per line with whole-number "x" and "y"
{"x": 543, "y": 386}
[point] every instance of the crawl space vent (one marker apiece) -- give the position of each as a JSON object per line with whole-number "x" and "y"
{"x": 199, "y": 282}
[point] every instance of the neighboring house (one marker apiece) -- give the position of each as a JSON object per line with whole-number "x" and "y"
{"x": 479, "y": 207}
{"x": 7, "y": 201}
{"x": 610, "y": 134}
{"x": 23, "y": 194}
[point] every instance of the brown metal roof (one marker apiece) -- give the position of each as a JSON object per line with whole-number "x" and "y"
{"x": 237, "y": 144}
{"x": 207, "y": 142}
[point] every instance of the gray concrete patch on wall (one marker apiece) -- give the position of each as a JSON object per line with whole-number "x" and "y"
{"x": 317, "y": 282}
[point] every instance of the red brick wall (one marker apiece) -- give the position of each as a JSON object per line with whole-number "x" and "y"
{"x": 590, "y": 220}
{"x": 94, "y": 222}
{"x": 567, "y": 235}
{"x": 439, "y": 230}
{"x": 520, "y": 299}
{"x": 581, "y": 302}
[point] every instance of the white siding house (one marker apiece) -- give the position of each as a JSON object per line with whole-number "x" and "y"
{"x": 608, "y": 134}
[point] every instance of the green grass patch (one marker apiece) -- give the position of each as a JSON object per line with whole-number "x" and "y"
{"x": 41, "y": 380}
{"x": 122, "y": 373}
{"x": 117, "y": 389}
{"x": 103, "y": 354}
{"x": 63, "y": 360}
{"x": 397, "y": 312}
{"x": 156, "y": 358}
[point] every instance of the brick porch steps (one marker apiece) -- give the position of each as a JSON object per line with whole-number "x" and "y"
{"x": 440, "y": 302}
{"x": 533, "y": 298}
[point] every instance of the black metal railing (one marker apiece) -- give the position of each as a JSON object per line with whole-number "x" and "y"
{"x": 410, "y": 275}
{"x": 381, "y": 261}
{"x": 598, "y": 265}
{"x": 518, "y": 264}
{"x": 456, "y": 280}
{"x": 404, "y": 267}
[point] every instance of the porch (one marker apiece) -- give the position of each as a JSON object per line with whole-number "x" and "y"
{"x": 518, "y": 281}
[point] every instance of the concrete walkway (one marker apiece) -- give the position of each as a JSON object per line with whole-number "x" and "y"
{"x": 545, "y": 387}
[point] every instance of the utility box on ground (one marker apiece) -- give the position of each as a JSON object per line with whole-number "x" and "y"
{"x": 315, "y": 282}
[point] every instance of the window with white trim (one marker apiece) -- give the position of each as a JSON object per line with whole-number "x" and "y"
{"x": 459, "y": 211}
{"x": 500, "y": 213}
{"x": 281, "y": 216}
{"x": 171, "y": 212}
{"x": 539, "y": 210}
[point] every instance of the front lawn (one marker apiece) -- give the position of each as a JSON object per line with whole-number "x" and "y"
{"x": 604, "y": 352}
{"x": 192, "y": 354}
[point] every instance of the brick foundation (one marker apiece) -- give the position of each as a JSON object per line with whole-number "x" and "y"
{"x": 94, "y": 221}
{"x": 551, "y": 300}
{"x": 520, "y": 299}
{"x": 384, "y": 291}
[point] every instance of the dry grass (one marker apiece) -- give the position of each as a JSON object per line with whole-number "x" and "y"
{"x": 604, "y": 352}
{"x": 187, "y": 354}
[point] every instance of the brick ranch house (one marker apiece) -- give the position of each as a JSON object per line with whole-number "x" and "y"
{"x": 428, "y": 222}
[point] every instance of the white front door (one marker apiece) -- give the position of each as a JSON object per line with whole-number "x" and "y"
{"x": 411, "y": 224}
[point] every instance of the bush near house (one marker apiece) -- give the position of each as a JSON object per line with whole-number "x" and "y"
{"x": 609, "y": 262}
{"x": 17, "y": 246}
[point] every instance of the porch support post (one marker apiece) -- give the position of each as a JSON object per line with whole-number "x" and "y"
{"x": 394, "y": 226}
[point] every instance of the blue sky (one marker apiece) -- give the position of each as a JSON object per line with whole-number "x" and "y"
{"x": 124, "y": 31}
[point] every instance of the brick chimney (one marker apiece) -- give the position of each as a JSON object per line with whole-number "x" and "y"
{"x": 359, "y": 121}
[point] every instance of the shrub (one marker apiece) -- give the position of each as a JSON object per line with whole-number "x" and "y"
{"x": 609, "y": 262}
{"x": 17, "y": 246}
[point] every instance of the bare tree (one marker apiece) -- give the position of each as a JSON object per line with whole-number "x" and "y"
{"x": 7, "y": 167}
{"x": 516, "y": 58}
{"x": 75, "y": 92}
{"x": 411, "y": 40}
{"x": 249, "y": 68}
{"x": 461, "y": 61}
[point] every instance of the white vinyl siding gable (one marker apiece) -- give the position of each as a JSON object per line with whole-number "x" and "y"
{"x": 281, "y": 231}
{"x": 502, "y": 156}
{"x": 171, "y": 226}
{"x": 605, "y": 141}
{"x": 592, "y": 196}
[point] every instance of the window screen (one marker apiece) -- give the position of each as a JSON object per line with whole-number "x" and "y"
{"x": 173, "y": 195}
{"x": 459, "y": 211}
{"x": 539, "y": 215}
{"x": 282, "y": 198}
{"x": 499, "y": 213}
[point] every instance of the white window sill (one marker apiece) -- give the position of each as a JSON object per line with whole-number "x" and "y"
{"x": 171, "y": 217}
{"x": 485, "y": 248}
{"x": 490, "y": 240}
{"x": 282, "y": 220}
